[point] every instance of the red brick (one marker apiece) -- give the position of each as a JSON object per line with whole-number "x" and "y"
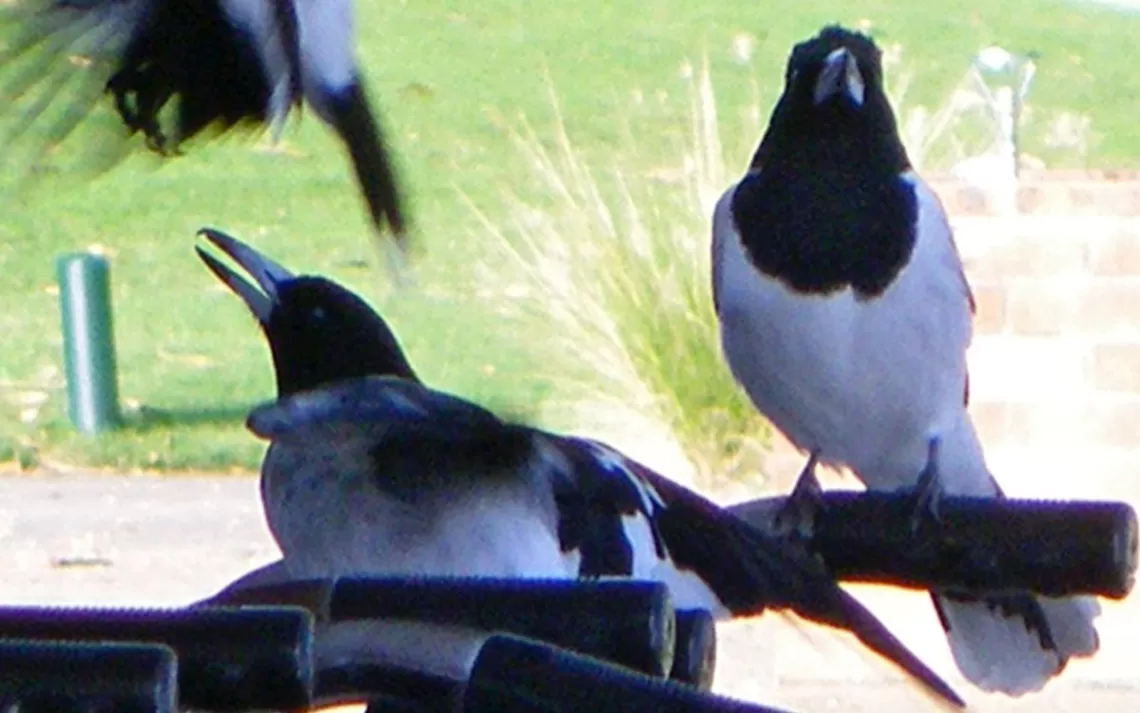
{"x": 1087, "y": 195}
{"x": 1006, "y": 423}
{"x": 990, "y": 420}
{"x": 967, "y": 200}
{"x": 1102, "y": 307}
{"x": 1080, "y": 197}
{"x": 1066, "y": 471}
{"x": 1048, "y": 194}
{"x": 1116, "y": 367}
{"x": 1030, "y": 199}
{"x": 990, "y": 299}
{"x": 1094, "y": 422}
{"x": 1111, "y": 422}
{"x": 1008, "y": 367}
{"x": 1117, "y": 254}
{"x": 1033, "y": 256}
{"x": 959, "y": 198}
{"x": 1042, "y": 308}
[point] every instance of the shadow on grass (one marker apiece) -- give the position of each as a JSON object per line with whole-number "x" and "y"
{"x": 151, "y": 418}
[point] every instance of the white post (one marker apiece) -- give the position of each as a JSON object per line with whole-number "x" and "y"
{"x": 1006, "y": 199}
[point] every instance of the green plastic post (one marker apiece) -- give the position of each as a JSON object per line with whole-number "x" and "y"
{"x": 88, "y": 342}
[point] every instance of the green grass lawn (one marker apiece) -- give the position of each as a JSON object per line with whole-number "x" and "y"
{"x": 449, "y": 79}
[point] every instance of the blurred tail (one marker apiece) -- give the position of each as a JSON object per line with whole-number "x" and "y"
{"x": 838, "y": 608}
{"x": 1015, "y": 643}
{"x": 749, "y": 572}
{"x": 351, "y": 115}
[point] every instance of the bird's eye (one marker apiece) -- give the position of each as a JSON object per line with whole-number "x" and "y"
{"x": 319, "y": 314}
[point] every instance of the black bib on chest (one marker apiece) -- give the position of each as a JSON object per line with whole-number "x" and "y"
{"x": 823, "y": 221}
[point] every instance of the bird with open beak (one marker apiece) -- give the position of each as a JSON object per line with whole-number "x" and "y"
{"x": 371, "y": 472}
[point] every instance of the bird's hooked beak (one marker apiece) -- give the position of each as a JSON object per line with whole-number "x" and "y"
{"x": 266, "y": 273}
{"x": 840, "y": 75}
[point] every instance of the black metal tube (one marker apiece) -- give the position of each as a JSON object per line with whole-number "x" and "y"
{"x": 77, "y": 677}
{"x": 388, "y": 689}
{"x": 228, "y": 659}
{"x": 695, "y": 660}
{"x": 516, "y": 675}
{"x": 979, "y": 545}
{"x": 631, "y": 623}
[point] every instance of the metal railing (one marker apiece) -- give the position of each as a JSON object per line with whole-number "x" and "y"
{"x": 542, "y": 645}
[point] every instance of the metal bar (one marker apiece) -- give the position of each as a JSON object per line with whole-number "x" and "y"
{"x": 228, "y": 659}
{"x": 517, "y": 675}
{"x": 77, "y": 677}
{"x": 978, "y": 545}
{"x": 631, "y": 623}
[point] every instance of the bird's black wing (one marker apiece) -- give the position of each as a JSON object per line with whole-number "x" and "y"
{"x": 416, "y": 439}
{"x": 166, "y": 69}
{"x": 354, "y": 118}
{"x": 750, "y": 571}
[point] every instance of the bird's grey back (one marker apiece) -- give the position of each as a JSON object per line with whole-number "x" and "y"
{"x": 384, "y": 493}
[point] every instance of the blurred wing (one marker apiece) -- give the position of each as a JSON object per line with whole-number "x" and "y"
{"x": 172, "y": 69}
{"x": 55, "y": 61}
{"x": 745, "y": 569}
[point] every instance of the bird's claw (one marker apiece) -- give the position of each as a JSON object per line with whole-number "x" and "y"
{"x": 927, "y": 493}
{"x": 798, "y": 513}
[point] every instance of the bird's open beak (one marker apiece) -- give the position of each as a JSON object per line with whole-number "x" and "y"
{"x": 840, "y": 75}
{"x": 266, "y": 273}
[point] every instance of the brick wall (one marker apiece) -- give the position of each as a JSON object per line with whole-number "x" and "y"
{"x": 1055, "y": 363}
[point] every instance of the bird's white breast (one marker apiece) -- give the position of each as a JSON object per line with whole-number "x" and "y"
{"x": 866, "y": 382}
{"x": 335, "y": 521}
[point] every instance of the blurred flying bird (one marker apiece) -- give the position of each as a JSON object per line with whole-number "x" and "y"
{"x": 174, "y": 69}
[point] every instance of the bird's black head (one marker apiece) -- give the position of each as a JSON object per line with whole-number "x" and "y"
{"x": 834, "y": 97}
{"x": 318, "y": 331}
{"x": 826, "y": 206}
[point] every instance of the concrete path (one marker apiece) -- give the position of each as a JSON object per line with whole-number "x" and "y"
{"x": 119, "y": 540}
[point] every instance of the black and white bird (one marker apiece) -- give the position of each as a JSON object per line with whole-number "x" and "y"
{"x": 371, "y": 472}
{"x": 845, "y": 314}
{"x": 174, "y": 69}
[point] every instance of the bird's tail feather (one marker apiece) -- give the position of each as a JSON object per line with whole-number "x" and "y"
{"x": 353, "y": 118}
{"x": 1014, "y": 643}
{"x": 749, "y": 571}
{"x": 844, "y": 611}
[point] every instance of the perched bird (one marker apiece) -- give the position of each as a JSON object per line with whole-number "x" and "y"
{"x": 371, "y": 472}
{"x": 175, "y": 68}
{"x": 845, "y": 315}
